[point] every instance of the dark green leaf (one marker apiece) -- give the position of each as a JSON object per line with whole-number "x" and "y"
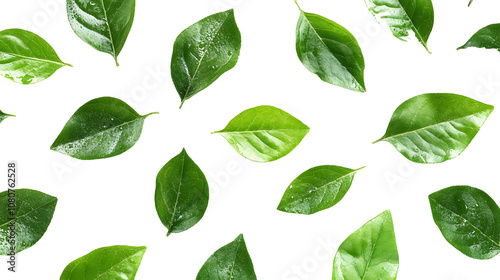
{"x": 3, "y": 116}
{"x": 317, "y": 189}
{"x": 487, "y": 37}
{"x": 203, "y": 52}
{"x": 264, "y": 133}
{"x": 435, "y": 127}
{"x": 181, "y": 195}
{"x": 103, "y": 127}
{"x": 103, "y": 24}
{"x": 231, "y": 262}
{"x": 26, "y": 58}
{"x": 403, "y": 16}
{"x": 107, "y": 263}
{"x": 370, "y": 253}
{"x": 330, "y": 51}
{"x": 468, "y": 219}
{"x": 33, "y": 212}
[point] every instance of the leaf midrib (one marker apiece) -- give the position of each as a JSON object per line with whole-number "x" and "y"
{"x": 178, "y": 192}
{"x": 37, "y": 59}
{"x": 118, "y": 263}
{"x": 467, "y": 221}
{"x": 261, "y": 130}
{"x": 373, "y": 248}
{"x": 432, "y": 125}
{"x": 52, "y": 200}
{"x": 234, "y": 261}
{"x": 209, "y": 44}
{"x": 109, "y": 32}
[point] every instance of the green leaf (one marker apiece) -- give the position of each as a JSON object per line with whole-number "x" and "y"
{"x": 317, "y": 189}
{"x": 107, "y": 263}
{"x": 33, "y": 212}
{"x": 330, "y": 51}
{"x": 3, "y": 116}
{"x": 103, "y": 127}
{"x": 26, "y": 58}
{"x": 103, "y": 24}
{"x": 203, "y": 52}
{"x": 231, "y": 262}
{"x": 264, "y": 133}
{"x": 403, "y": 16}
{"x": 487, "y": 37}
{"x": 468, "y": 219}
{"x": 181, "y": 195}
{"x": 370, "y": 253}
{"x": 435, "y": 127}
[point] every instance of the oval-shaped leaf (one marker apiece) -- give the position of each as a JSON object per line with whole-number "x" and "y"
{"x": 231, "y": 262}
{"x": 26, "y": 58}
{"x": 114, "y": 262}
{"x": 28, "y": 219}
{"x": 181, "y": 195}
{"x": 317, "y": 189}
{"x": 330, "y": 51}
{"x": 468, "y": 219}
{"x": 369, "y": 253}
{"x": 3, "y": 116}
{"x": 487, "y": 37}
{"x": 103, "y": 127}
{"x": 403, "y": 16}
{"x": 435, "y": 127}
{"x": 203, "y": 52}
{"x": 103, "y": 24}
{"x": 264, "y": 133}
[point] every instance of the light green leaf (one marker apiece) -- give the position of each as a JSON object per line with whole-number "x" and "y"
{"x": 370, "y": 253}
{"x": 468, "y": 219}
{"x": 403, "y": 16}
{"x": 264, "y": 133}
{"x": 487, "y": 37}
{"x": 435, "y": 127}
{"x": 26, "y": 58}
{"x": 103, "y": 24}
{"x": 181, "y": 195}
{"x": 3, "y": 116}
{"x": 102, "y": 128}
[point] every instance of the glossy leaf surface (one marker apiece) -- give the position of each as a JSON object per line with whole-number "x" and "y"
{"x": 203, "y": 52}
{"x": 3, "y": 116}
{"x": 370, "y": 253}
{"x": 32, "y": 215}
{"x": 103, "y": 127}
{"x": 435, "y": 127}
{"x": 26, "y": 58}
{"x": 317, "y": 189}
{"x": 405, "y": 16}
{"x": 181, "y": 195}
{"x": 264, "y": 133}
{"x": 468, "y": 219}
{"x": 330, "y": 51}
{"x": 103, "y": 24}
{"x": 231, "y": 262}
{"x": 110, "y": 263}
{"x": 487, "y": 37}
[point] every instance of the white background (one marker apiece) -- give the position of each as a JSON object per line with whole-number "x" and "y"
{"x": 111, "y": 202}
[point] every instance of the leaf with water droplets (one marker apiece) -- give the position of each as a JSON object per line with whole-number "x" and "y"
{"x": 32, "y": 215}
{"x": 487, "y": 37}
{"x": 264, "y": 133}
{"x": 435, "y": 127}
{"x": 114, "y": 262}
{"x": 403, "y": 16}
{"x": 103, "y": 24}
{"x": 26, "y": 58}
{"x": 203, "y": 52}
{"x": 369, "y": 253}
{"x": 330, "y": 51}
{"x": 181, "y": 195}
{"x": 317, "y": 189}
{"x": 468, "y": 219}
{"x": 230, "y": 262}
{"x": 102, "y": 128}
{"x": 3, "y": 116}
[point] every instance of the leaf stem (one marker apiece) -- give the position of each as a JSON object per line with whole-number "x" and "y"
{"x": 182, "y": 103}
{"x": 360, "y": 168}
{"x": 296, "y": 3}
{"x": 153, "y": 113}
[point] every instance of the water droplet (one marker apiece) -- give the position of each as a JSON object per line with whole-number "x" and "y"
{"x": 92, "y": 3}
